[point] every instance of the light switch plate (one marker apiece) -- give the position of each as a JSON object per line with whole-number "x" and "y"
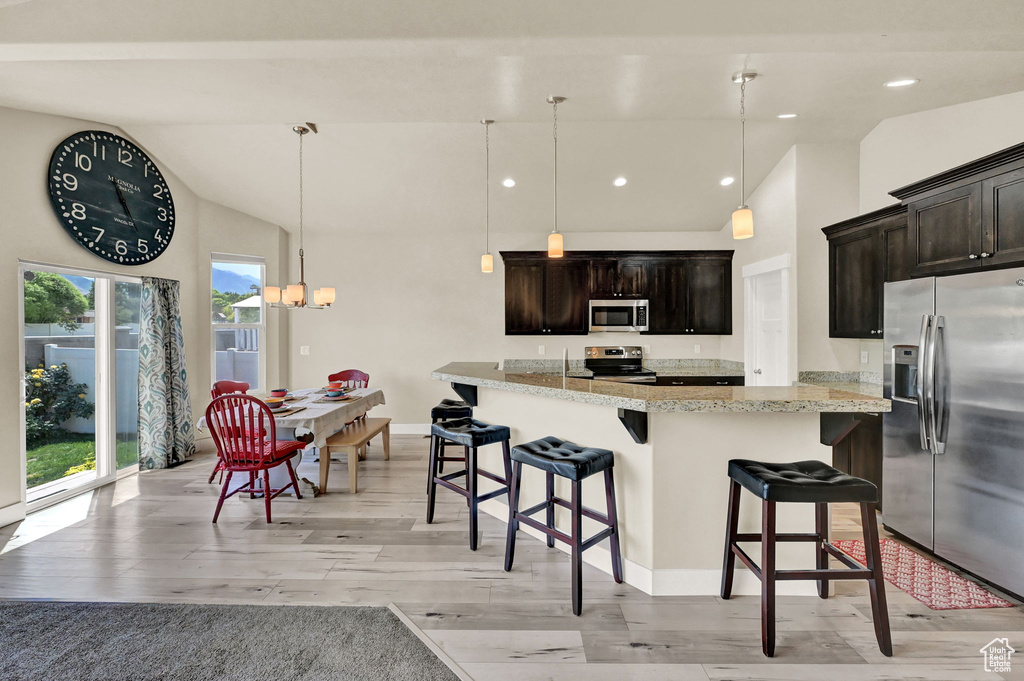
{"x": 304, "y": 350}
{"x": 864, "y": 357}
{"x": 647, "y": 349}
{"x": 540, "y": 349}
{"x": 696, "y": 348}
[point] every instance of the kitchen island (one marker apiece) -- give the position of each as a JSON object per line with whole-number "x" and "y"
{"x": 671, "y": 445}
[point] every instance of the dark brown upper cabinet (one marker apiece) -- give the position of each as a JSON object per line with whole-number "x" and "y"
{"x": 626, "y": 278}
{"x": 690, "y": 292}
{"x": 543, "y": 297}
{"x": 863, "y": 254}
{"x": 967, "y": 218}
{"x": 691, "y": 296}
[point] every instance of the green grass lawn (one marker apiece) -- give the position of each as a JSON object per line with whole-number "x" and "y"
{"x": 55, "y": 460}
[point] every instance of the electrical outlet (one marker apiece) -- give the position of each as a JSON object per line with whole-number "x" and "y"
{"x": 696, "y": 348}
{"x": 304, "y": 350}
{"x": 647, "y": 349}
{"x": 864, "y": 357}
{"x": 540, "y": 349}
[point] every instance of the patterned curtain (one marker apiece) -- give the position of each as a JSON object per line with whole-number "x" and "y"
{"x": 166, "y": 435}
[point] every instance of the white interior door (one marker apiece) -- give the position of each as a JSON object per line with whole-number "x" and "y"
{"x": 766, "y": 340}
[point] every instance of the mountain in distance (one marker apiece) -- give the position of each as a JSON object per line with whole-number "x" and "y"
{"x": 83, "y": 284}
{"x": 226, "y": 281}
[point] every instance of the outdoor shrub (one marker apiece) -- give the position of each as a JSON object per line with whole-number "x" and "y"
{"x": 52, "y": 398}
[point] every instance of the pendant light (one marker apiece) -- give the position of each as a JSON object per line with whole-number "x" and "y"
{"x": 487, "y": 260}
{"x": 297, "y": 295}
{"x": 743, "y": 217}
{"x": 555, "y": 244}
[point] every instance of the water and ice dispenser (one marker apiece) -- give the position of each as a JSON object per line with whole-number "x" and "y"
{"x": 904, "y": 379}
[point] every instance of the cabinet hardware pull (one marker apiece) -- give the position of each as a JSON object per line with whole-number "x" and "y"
{"x": 986, "y": 255}
{"x": 972, "y": 256}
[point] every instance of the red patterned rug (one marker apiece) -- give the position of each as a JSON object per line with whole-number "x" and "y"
{"x": 924, "y": 579}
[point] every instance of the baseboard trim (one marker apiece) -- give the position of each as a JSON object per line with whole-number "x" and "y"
{"x": 410, "y": 429}
{"x": 664, "y": 582}
{"x": 12, "y": 514}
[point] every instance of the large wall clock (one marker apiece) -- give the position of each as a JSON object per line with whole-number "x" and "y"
{"x": 111, "y": 198}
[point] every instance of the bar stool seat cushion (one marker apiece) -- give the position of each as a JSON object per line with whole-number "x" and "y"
{"x": 470, "y": 432}
{"x": 451, "y": 409}
{"x": 803, "y": 481}
{"x": 562, "y": 458}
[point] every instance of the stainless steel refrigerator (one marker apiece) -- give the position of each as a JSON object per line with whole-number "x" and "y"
{"x": 953, "y": 445}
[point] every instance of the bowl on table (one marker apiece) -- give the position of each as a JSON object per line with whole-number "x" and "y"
{"x": 279, "y": 392}
{"x": 275, "y": 403}
{"x": 335, "y": 393}
{"x": 335, "y": 385}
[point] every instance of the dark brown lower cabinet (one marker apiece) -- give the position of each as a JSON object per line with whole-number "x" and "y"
{"x": 860, "y": 452}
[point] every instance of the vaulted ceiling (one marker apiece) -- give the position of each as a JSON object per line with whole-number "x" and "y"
{"x": 212, "y": 88}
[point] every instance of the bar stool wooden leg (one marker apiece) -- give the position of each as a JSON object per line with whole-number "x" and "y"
{"x": 431, "y": 485}
{"x": 513, "y": 509}
{"x": 768, "y": 578}
{"x": 873, "y": 558}
{"x": 550, "y": 494}
{"x": 613, "y": 520}
{"x": 731, "y": 524}
{"x": 506, "y": 460}
{"x": 577, "y": 554}
{"x": 471, "y": 486}
{"x": 820, "y": 554}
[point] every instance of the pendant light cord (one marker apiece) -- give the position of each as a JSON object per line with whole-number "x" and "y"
{"x": 554, "y": 108}
{"x": 743, "y": 141}
{"x": 487, "y": 188}
{"x": 300, "y": 196}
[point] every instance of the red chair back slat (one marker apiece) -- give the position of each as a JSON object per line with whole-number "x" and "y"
{"x": 352, "y": 378}
{"x": 228, "y": 387}
{"x": 242, "y": 426}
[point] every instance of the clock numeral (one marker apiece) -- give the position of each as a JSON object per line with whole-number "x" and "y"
{"x": 82, "y": 161}
{"x": 70, "y": 182}
{"x": 121, "y": 247}
{"x": 124, "y": 156}
{"x": 161, "y": 214}
{"x": 158, "y": 237}
{"x": 78, "y": 211}
{"x": 158, "y": 191}
{"x": 101, "y": 231}
{"x": 99, "y": 151}
{"x": 143, "y": 247}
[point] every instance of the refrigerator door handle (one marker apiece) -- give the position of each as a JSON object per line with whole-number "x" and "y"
{"x": 922, "y": 386}
{"x": 938, "y": 445}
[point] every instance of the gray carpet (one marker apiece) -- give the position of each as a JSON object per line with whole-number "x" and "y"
{"x": 139, "y": 641}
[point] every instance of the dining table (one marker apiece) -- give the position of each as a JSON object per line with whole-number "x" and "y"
{"x": 311, "y": 416}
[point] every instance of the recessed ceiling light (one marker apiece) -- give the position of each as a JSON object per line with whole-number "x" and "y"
{"x": 726, "y": 181}
{"x": 787, "y": 115}
{"x": 508, "y": 182}
{"x": 619, "y": 182}
{"x": 902, "y": 82}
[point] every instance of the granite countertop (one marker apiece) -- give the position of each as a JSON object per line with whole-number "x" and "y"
{"x": 648, "y": 398}
{"x": 869, "y": 389}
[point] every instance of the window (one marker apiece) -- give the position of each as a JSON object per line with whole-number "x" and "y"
{"x": 239, "y": 326}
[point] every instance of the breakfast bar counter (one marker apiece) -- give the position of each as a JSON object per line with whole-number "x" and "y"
{"x": 672, "y": 445}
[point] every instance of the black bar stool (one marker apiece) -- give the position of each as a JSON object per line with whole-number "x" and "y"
{"x": 567, "y": 460}
{"x": 447, "y": 410}
{"x": 471, "y": 434}
{"x": 803, "y": 482}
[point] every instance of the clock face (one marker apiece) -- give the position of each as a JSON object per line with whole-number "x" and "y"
{"x": 111, "y": 198}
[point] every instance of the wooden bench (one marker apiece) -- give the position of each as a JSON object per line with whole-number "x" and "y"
{"x": 352, "y": 440}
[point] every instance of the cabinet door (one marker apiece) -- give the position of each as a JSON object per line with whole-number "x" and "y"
{"x": 603, "y": 279}
{"x": 566, "y": 293}
{"x": 895, "y": 252}
{"x": 855, "y": 285}
{"x": 632, "y": 279}
{"x": 1003, "y": 210}
{"x": 667, "y": 291}
{"x": 709, "y": 296}
{"x": 524, "y": 297}
{"x": 946, "y": 232}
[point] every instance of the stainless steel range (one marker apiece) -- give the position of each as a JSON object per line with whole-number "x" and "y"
{"x": 624, "y": 363}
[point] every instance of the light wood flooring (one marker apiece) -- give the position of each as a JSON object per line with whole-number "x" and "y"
{"x": 149, "y": 538}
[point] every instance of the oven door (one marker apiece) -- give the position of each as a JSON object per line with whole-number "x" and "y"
{"x": 613, "y": 315}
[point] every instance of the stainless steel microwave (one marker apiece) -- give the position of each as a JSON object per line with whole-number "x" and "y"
{"x": 618, "y": 315}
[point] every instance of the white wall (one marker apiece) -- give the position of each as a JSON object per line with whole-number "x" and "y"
{"x": 30, "y": 231}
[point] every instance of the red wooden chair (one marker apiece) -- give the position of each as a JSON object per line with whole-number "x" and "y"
{"x": 236, "y": 422}
{"x": 351, "y": 378}
{"x": 225, "y": 388}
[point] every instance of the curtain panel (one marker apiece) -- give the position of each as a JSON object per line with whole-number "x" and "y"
{"x": 166, "y": 434}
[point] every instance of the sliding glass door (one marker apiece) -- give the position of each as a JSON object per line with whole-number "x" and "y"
{"x": 80, "y": 333}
